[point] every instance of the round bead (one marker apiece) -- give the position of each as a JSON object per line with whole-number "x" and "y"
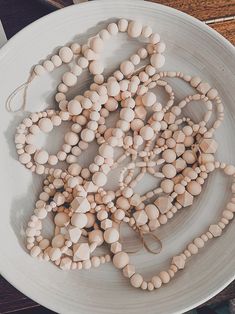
{"x": 96, "y": 236}
{"x": 66, "y": 54}
{"x": 74, "y": 107}
{"x": 151, "y": 211}
{"x": 167, "y": 186}
{"x": 69, "y": 79}
{"x": 149, "y": 99}
{"x": 169, "y": 155}
{"x": 127, "y": 114}
{"x": 157, "y": 60}
{"x": 45, "y": 125}
{"x": 96, "y": 67}
{"x": 136, "y": 280}
{"x": 24, "y": 158}
{"x": 41, "y": 157}
{"x": 164, "y": 276}
{"x": 99, "y": 178}
{"x": 111, "y": 235}
{"x": 194, "y": 188}
{"x": 79, "y": 220}
{"x": 127, "y": 68}
{"x": 146, "y": 132}
{"x": 97, "y": 44}
{"x": 122, "y": 25}
{"x": 113, "y": 88}
{"x": 134, "y": 29}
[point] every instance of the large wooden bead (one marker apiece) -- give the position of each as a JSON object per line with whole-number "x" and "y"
{"x": 120, "y": 260}
{"x": 66, "y": 54}
{"x": 134, "y": 29}
{"x": 136, "y": 280}
{"x": 157, "y": 60}
{"x": 45, "y": 125}
{"x": 111, "y": 235}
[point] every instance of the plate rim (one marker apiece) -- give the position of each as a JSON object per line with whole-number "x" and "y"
{"x": 175, "y": 12}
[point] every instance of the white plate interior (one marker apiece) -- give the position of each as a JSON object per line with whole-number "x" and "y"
{"x": 191, "y": 48}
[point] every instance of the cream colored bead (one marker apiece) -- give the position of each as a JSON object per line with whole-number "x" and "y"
{"x": 127, "y": 68}
{"x": 41, "y": 157}
{"x": 61, "y": 219}
{"x": 149, "y": 99}
{"x": 111, "y": 235}
{"x": 136, "y": 280}
{"x": 54, "y": 254}
{"x": 79, "y": 220}
{"x": 146, "y": 132}
{"x": 58, "y": 241}
{"x": 66, "y": 54}
{"x": 69, "y": 79}
{"x": 229, "y": 170}
{"x": 169, "y": 155}
{"x": 157, "y": 60}
{"x": 96, "y": 236}
{"x": 151, "y": 211}
{"x": 97, "y": 44}
{"x": 157, "y": 282}
{"x": 122, "y": 25}
{"x": 169, "y": 171}
{"x": 45, "y": 125}
{"x": 164, "y": 276}
{"x": 74, "y": 107}
{"x": 35, "y": 251}
{"x": 192, "y": 248}
{"x": 112, "y": 28}
{"x": 96, "y": 67}
{"x": 134, "y": 29}
{"x": 120, "y": 260}
{"x": 113, "y": 88}
{"x": 227, "y": 214}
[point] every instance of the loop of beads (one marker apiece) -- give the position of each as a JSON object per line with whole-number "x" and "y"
{"x": 155, "y": 138}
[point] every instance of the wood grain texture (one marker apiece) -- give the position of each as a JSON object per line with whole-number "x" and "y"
{"x": 227, "y": 29}
{"x": 204, "y": 9}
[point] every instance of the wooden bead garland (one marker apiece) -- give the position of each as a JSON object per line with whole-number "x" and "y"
{"x": 167, "y": 145}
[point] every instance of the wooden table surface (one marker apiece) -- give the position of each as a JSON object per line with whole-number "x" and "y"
{"x": 15, "y": 14}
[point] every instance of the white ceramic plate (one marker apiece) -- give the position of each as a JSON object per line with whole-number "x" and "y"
{"x": 192, "y": 47}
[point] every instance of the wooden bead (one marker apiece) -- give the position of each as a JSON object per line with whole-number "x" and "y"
{"x": 169, "y": 171}
{"x": 120, "y": 260}
{"x": 164, "y": 276}
{"x": 111, "y": 235}
{"x": 136, "y": 280}
{"x": 134, "y": 29}
{"x": 194, "y": 188}
{"x": 127, "y": 68}
{"x": 157, "y": 60}
{"x": 122, "y": 25}
{"x": 66, "y": 54}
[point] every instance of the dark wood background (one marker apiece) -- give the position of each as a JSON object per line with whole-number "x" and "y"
{"x": 16, "y": 14}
